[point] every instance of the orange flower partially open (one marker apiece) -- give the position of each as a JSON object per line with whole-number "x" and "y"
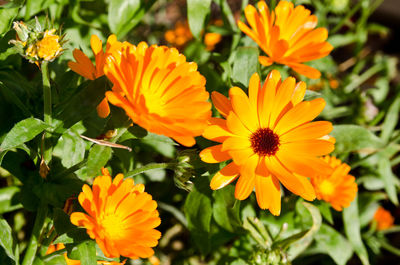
{"x": 159, "y": 91}
{"x": 383, "y": 218}
{"x": 287, "y": 35}
{"x": 270, "y": 138}
{"x": 84, "y": 66}
{"x": 54, "y": 248}
{"x": 121, "y": 217}
{"x": 338, "y": 188}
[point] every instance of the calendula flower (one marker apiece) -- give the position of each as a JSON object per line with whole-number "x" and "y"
{"x": 84, "y": 66}
{"x": 159, "y": 91}
{"x": 56, "y": 247}
{"x": 120, "y": 216}
{"x": 36, "y": 44}
{"x": 180, "y": 35}
{"x": 383, "y": 219}
{"x": 270, "y": 138}
{"x": 287, "y": 35}
{"x": 211, "y": 39}
{"x": 338, "y": 188}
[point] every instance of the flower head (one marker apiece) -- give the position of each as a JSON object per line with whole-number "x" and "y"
{"x": 383, "y": 218}
{"x": 56, "y": 247}
{"x": 84, "y": 66}
{"x": 180, "y": 35}
{"x": 338, "y": 188}
{"x": 159, "y": 91}
{"x": 287, "y": 35}
{"x": 211, "y": 39}
{"x": 270, "y": 138}
{"x": 121, "y": 217}
{"x": 36, "y": 44}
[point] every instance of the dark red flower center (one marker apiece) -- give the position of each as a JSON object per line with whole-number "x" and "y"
{"x": 264, "y": 142}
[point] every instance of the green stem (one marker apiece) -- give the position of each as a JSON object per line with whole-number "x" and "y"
{"x": 148, "y": 167}
{"x": 37, "y": 228}
{"x": 347, "y": 17}
{"x": 47, "y": 108}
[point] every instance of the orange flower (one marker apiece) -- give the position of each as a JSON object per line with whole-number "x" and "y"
{"x": 383, "y": 219}
{"x": 84, "y": 66}
{"x": 211, "y": 39}
{"x": 121, "y": 217}
{"x": 159, "y": 91}
{"x": 180, "y": 35}
{"x": 54, "y": 248}
{"x": 287, "y": 36}
{"x": 270, "y": 138}
{"x": 338, "y": 188}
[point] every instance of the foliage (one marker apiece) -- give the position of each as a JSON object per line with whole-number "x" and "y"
{"x": 44, "y": 162}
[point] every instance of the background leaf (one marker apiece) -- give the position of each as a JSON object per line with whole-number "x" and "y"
{"x": 197, "y": 11}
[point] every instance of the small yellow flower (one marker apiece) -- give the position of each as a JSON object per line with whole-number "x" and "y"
{"x": 36, "y": 44}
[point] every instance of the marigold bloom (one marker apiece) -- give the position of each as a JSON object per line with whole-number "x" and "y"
{"x": 383, "y": 219}
{"x": 287, "y": 36}
{"x": 270, "y": 139}
{"x": 121, "y": 217}
{"x": 180, "y": 35}
{"x": 338, "y": 188}
{"x": 211, "y": 39}
{"x": 159, "y": 91}
{"x": 84, "y": 66}
{"x": 54, "y": 248}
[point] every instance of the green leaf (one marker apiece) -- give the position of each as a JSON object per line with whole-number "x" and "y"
{"x": 391, "y": 119}
{"x": 245, "y": 65}
{"x": 22, "y": 132}
{"x": 334, "y": 244}
{"x": 6, "y": 239}
{"x": 325, "y": 210}
{"x": 353, "y": 138}
{"x": 62, "y": 221}
{"x": 352, "y": 228}
{"x": 76, "y": 235}
{"x": 197, "y": 12}
{"x": 80, "y": 106}
{"x": 8, "y": 200}
{"x": 226, "y": 209}
{"x": 160, "y": 143}
{"x": 123, "y": 15}
{"x": 386, "y": 174}
{"x": 85, "y": 252}
{"x": 7, "y": 15}
{"x": 98, "y": 158}
{"x": 198, "y": 211}
{"x": 299, "y": 246}
{"x": 70, "y": 148}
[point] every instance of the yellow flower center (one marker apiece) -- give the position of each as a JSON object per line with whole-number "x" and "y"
{"x": 49, "y": 47}
{"x": 113, "y": 226}
{"x": 326, "y": 188}
{"x": 264, "y": 142}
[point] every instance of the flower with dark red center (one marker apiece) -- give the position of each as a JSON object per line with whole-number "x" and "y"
{"x": 270, "y": 139}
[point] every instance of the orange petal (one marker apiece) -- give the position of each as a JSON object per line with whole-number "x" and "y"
{"x": 246, "y": 182}
{"x": 221, "y": 103}
{"x": 103, "y": 109}
{"x": 225, "y": 176}
{"x": 268, "y": 193}
{"x": 214, "y": 154}
{"x": 305, "y": 70}
{"x": 242, "y": 108}
{"x": 264, "y": 60}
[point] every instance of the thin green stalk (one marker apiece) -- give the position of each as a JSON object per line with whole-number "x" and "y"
{"x": 37, "y": 229}
{"x": 148, "y": 167}
{"x": 47, "y": 108}
{"x": 347, "y": 17}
